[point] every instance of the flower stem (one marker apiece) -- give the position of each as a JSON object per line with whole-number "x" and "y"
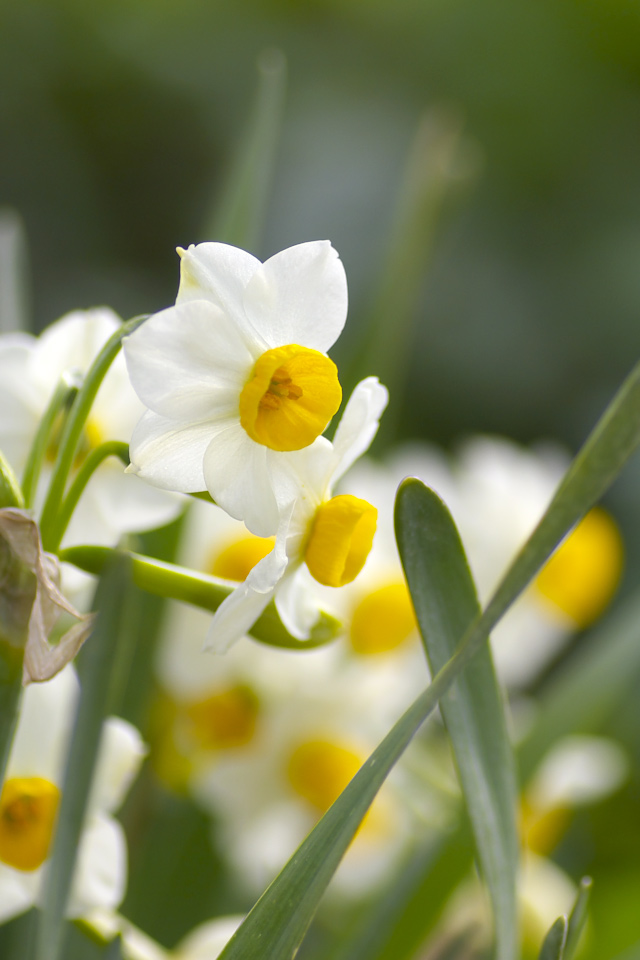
{"x": 74, "y": 425}
{"x": 113, "y": 448}
{"x": 63, "y": 396}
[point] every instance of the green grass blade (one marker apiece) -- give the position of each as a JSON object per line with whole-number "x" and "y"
{"x": 577, "y": 918}
{"x": 201, "y": 590}
{"x": 102, "y": 670}
{"x": 242, "y": 209}
{"x": 445, "y": 602}
{"x": 554, "y": 942}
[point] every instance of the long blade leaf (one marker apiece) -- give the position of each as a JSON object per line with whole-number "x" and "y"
{"x": 445, "y": 602}
{"x": 554, "y": 942}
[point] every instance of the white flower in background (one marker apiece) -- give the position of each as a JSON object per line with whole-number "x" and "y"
{"x": 326, "y": 537}
{"x": 236, "y": 373}
{"x": 205, "y": 942}
{"x": 30, "y": 370}
{"x": 497, "y": 491}
{"x": 31, "y": 793}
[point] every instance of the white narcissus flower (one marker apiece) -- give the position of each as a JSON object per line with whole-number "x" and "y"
{"x": 204, "y": 942}
{"x": 31, "y": 794}
{"x": 30, "y": 370}
{"x": 236, "y": 374}
{"x": 326, "y": 537}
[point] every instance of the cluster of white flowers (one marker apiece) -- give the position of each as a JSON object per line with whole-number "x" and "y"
{"x": 230, "y": 392}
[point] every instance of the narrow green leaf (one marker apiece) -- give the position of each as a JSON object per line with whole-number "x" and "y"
{"x": 553, "y": 947}
{"x": 398, "y": 921}
{"x": 10, "y": 692}
{"x": 242, "y": 210}
{"x": 113, "y": 951}
{"x": 577, "y": 918}
{"x": 102, "y": 669}
{"x": 58, "y": 406}
{"x": 201, "y": 590}
{"x": 445, "y": 602}
{"x": 10, "y": 492}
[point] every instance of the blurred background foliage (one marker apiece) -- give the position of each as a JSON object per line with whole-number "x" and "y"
{"x": 519, "y": 307}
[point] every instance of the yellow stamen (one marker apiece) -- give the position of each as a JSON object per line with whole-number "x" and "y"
{"x": 319, "y": 770}
{"x": 583, "y": 573}
{"x": 291, "y": 397}
{"x": 226, "y": 719}
{"x": 340, "y": 540}
{"x": 28, "y": 807}
{"x": 383, "y": 620}
{"x": 238, "y": 559}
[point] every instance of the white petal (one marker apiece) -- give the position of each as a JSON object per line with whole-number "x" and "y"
{"x": 18, "y": 891}
{"x": 234, "y": 617}
{"x": 297, "y": 604}
{"x": 170, "y": 454}
{"x": 208, "y": 940}
{"x": 101, "y": 868}
{"x": 238, "y": 477}
{"x": 359, "y": 423}
{"x": 189, "y": 362}
{"x": 129, "y": 504}
{"x": 44, "y": 726}
{"x": 217, "y": 272}
{"x": 21, "y": 402}
{"x": 120, "y": 755}
{"x": 299, "y": 296}
{"x": 72, "y": 343}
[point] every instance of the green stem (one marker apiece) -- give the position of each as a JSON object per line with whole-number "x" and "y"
{"x": 62, "y": 397}
{"x": 10, "y": 691}
{"x": 74, "y": 426}
{"x": 113, "y": 448}
{"x": 201, "y": 590}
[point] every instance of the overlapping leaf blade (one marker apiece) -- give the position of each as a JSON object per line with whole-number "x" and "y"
{"x": 445, "y": 602}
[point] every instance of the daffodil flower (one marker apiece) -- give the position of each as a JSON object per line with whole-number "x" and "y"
{"x": 236, "y": 375}
{"x": 31, "y": 794}
{"x": 324, "y": 536}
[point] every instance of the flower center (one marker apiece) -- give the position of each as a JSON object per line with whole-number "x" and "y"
{"x": 583, "y": 573}
{"x": 291, "y": 397}
{"x": 226, "y": 719}
{"x": 382, "y": 620}
{"x": 28, "y": 807}
{"x": 340, "y": 540}
{"x": 319, "y": 770}
{"x": 237, "y": 560}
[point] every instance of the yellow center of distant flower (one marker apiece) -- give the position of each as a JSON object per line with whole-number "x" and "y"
{"x": 291, "y": 397}
{"x": 28, "y": 807}
{"x": 541, "y": 830}
{"x": 583, "y": 573}
{"x": 92, "y": 436}
{"x": 237, "y": 560}
{"x": 340, "y": 540}
{"x": 319, "y": 770}
{"x": 382, "y": 620}
{"x": 226, "y": 719}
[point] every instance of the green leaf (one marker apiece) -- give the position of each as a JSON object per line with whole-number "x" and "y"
{"x": 10, "y": 692}
{"x": 10, "y": 492}
{"x": 14, "y": 273}
{"x": 445, "y": 602}
{"x": 201, "y": 590}
{"x": 554, "y": 942}
{"x": 242, "y": 210}
{"x": 577, "y": 918}
{"x": 102, "y": 668}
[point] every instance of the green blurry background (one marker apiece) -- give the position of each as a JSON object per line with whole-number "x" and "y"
{"x": 513, "y": 297}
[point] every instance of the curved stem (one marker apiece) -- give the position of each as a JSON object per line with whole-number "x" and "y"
{"x": 74, "y": 425}
{"x": 113, "y": 448}
{"x": 63, "y": 396}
